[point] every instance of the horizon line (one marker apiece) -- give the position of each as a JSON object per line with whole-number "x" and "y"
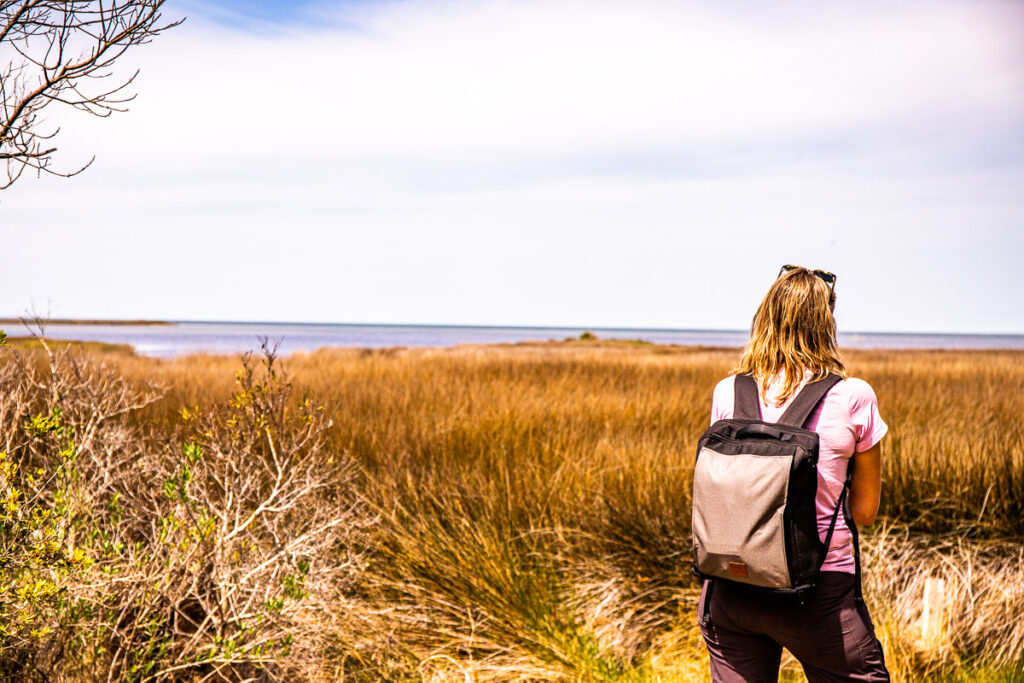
{"x": 585, "y": 328}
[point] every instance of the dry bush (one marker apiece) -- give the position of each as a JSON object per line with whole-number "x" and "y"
{"x": 63, "y": 446}
{"x": 214, "y": 552}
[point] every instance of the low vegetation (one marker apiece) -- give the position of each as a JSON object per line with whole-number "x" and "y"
{"x": 480, "y": 513}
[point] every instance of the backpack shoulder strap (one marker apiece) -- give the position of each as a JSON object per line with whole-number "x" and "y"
{"x": 808, "y": 398}
{"x": 747, "y": 404}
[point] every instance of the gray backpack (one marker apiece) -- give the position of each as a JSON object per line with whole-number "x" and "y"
{"x": 755, "y": 521}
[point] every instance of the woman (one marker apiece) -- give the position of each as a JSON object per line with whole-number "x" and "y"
{"x": 792, "y": 342}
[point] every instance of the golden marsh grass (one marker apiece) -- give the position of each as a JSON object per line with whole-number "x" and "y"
{"x": 531, "y": 504}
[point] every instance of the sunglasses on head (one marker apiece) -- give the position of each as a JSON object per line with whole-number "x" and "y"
{"x": 826, "y": 277}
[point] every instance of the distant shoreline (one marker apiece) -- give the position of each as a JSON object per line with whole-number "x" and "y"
{"x": 592, "y": 343}
{"x": 73, "y": 321}
{"x": 178, "y": 338}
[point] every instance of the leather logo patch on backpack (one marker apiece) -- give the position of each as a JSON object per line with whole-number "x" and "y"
{"x": 738, "y": 569}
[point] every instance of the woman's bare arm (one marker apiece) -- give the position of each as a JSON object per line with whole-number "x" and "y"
{"x": 866, "y": 488}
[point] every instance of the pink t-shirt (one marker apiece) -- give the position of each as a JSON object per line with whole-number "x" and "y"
{"x": 847, "y": 421}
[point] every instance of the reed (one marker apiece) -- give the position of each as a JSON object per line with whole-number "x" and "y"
{"x": 527, "y": 506}
{"x": 627, "y": 416}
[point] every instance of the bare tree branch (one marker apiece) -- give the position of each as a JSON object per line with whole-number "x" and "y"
{"x": 63, "y": 52}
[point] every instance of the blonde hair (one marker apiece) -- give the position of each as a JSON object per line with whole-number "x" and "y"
{"x": 793, "y": 331}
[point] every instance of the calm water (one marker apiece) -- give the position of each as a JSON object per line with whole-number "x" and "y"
{"x": 228, "y": 338}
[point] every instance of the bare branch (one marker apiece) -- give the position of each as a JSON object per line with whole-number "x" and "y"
{"x": 63, "y": 51}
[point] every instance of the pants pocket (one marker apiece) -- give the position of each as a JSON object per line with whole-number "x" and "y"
{"x": 704, "y": 605}
{"x": 863, "y": 647}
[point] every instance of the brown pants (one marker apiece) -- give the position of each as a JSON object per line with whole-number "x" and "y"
{"x": 831, "y": 634}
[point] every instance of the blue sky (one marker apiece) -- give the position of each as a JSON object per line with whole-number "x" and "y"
{"x": 552, "y": 162}
{"x": 266, "y": 15}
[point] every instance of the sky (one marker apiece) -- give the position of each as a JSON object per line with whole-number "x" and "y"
{"x": 588, "y": 163}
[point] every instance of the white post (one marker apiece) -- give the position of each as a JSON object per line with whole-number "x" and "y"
{"x": 933, "y": 613}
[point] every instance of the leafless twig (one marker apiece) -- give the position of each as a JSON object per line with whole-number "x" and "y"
{"x": 64, "y": 52}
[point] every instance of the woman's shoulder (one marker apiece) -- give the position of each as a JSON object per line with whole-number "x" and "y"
{"x": 726, "y": 383}
{"x": 868, "y": 425}
{"x": 725, "y": 389}
{"x": 722, "y": 398}
{"x": 857, "y": 392}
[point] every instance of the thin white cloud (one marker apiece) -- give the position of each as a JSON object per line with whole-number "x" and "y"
{"x": 458, "y": 81}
